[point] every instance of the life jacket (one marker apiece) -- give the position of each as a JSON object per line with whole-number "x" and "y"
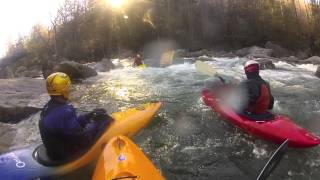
{"x": 262, "y": 103}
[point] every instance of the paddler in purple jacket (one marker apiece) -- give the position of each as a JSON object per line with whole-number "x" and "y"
{"x": 63, "y": 133}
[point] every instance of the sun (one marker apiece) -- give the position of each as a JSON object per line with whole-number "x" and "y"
{"x": 116, "y": 3}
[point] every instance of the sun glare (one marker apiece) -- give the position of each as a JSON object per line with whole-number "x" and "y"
{"x": 116, "y": 3}
{"x": 17, "y": 18}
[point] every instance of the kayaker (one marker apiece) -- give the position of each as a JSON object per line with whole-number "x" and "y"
{"x": 258, "y": 97}
{"x": 63, "y": 133}
{"x": 137, "y": 60}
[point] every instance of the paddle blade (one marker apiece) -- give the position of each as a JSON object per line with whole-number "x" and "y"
{"x": 205, "y": 68}
{"x": 273, "y": 161}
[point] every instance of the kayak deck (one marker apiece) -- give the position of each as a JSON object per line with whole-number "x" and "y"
{"x": 277, "y": 130}
{"x": 122, "y": 159}
{"x": 20, "y": 164}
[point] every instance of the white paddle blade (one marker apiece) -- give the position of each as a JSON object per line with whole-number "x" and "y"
{"x": 205, "y": 68}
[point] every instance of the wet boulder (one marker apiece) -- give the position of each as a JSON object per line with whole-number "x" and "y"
{"x": 290, "y": 59}
{"x": 181, "y": 53}
{"x": 49, "y": 66}
{"x": 312, "y": 60}
{"x": 254, "y": 51}
{"x": 19, "y": 98}
{"x": 228, "y": 55}
{"x": 202, "y": 52}
{"x": 266, "y": 63}
{"x": 76, "y": 70}
{"x": 318, "y": 72}
{"x": 204, "y": 58}
{"x": 104, "y": 65}
{"x": 278, "y": 51}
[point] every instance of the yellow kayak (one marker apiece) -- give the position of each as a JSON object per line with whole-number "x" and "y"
{"x": 142, "y": 66}
{"x": 26, "y": 163}
{"x": 123, "y": 159}
{"x": 126, "y": 123}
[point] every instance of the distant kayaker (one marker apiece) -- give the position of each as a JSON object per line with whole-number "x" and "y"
{"x": 137, "y": 60}
{"x": 258, "y": 97}
{"x": 63, "y": 133}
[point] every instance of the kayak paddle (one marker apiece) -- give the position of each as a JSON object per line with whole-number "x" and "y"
{"x": 205, "y": 68}
{"x": 273, "y": 161}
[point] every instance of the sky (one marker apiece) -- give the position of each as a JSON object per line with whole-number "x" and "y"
{"x": 18, "y": 16}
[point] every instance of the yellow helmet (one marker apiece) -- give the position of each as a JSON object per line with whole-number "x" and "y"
{"x": 58, "y": 84}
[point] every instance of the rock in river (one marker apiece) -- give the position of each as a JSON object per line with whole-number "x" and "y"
{"x": 76, "y": 70}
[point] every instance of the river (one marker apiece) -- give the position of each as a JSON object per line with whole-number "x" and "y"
{"x": 187, "y": 140}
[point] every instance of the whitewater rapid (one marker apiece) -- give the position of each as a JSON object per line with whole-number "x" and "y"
{"x": 189, "y": 141}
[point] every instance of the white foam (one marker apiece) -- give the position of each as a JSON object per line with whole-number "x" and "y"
{"x": 309, "y": 67}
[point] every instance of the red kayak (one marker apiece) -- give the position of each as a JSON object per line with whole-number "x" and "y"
{"x": 276, "y": 130}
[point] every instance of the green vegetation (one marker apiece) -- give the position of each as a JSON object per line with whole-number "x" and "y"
{"x": 92, "y": 29}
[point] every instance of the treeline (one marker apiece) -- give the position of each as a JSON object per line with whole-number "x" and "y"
{"x": 92, "y": 29}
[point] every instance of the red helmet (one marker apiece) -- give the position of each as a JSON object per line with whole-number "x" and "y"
{"x": 251, "y": 66}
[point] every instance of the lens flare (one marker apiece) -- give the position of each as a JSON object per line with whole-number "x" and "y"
{"x": 147, "y": 18}
{"x": 116, "y": 3}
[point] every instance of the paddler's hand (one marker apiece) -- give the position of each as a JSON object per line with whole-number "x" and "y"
{"x": 98, "y": 114}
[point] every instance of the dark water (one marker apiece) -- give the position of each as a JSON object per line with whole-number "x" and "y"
{"x": 187, "y": 140}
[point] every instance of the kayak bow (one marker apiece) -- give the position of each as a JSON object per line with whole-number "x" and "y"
{"x": 122, "y": 159}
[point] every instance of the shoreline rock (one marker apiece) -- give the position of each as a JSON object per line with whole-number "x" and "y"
{"x": 104, "y": 65}
{"x": 254, "y": 51}
{"x": 17, "y": 98}
{"x": 312, "y": 60}
{"x": 266, "y": 63}
{"x": 76, "y": 70}
{"x": 278, "y": 51}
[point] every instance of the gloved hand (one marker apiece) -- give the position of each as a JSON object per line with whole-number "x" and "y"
{"x": 98, "y": 114}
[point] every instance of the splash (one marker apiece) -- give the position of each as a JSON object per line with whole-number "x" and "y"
{"x": 309, "y": 67}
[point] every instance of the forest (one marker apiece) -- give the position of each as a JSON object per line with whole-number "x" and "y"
{"x": 92, "y": 29}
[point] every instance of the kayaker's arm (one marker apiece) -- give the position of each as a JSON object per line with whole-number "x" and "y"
{"x": 251, "y": 90}
{"x": 80, "y": 129}
{"x": 84, "y": 119}
{"x": 98, "y": 114}
{"x": 271, "y": 97}
{"x": 271, "y": 102}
